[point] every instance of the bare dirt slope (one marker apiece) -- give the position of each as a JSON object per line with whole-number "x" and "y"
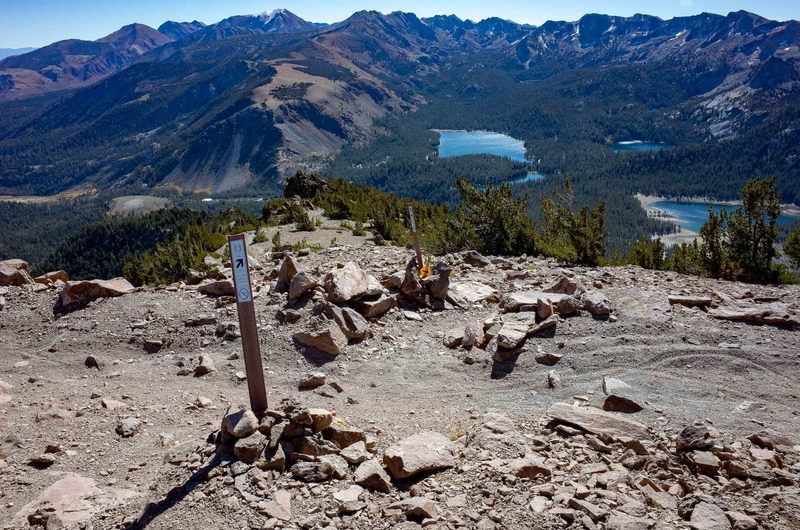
{"x": 683, "y": 366}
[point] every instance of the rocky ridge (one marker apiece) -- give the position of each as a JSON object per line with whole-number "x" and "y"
{"x": 495, "y": 393}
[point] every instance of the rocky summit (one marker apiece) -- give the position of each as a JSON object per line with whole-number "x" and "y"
{"x": 495, "y": 393}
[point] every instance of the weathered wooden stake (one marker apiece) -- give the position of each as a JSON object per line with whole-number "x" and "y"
{"x": 247, "y": 325}
{"x": 414, "y": 233}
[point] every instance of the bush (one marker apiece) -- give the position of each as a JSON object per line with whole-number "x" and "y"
{"x": 492, "y": 221}
{"x": 792, "y": 247}
{"x": 577, "y": 236}
{"x": 276, "y": 241}
{"x": 358, "y": 229}
{"x": 647, "y": 253}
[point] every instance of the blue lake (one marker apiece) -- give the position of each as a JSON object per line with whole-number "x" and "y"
{"x": 637, "y": 146}
{"x": 532, "y": 176}
{"x": 460, "y": 143}
{"x": 692, "y": 215}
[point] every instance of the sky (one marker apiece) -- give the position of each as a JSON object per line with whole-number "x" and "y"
{"x": 35, "y": 23}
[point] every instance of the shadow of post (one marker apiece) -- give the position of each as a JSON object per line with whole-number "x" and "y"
{"x": 175, "y": 495}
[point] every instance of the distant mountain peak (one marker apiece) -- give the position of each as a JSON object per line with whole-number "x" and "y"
{"x": 267, "y": 16}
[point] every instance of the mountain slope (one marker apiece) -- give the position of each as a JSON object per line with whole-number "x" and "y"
{"x": 74, "y": 63}
{"x": 252, "y": 98}
{"x": 9, "y": 52}
{"x": 178, "y": 30}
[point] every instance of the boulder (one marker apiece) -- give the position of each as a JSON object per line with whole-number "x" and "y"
{"x": 301, "y": 283}
{"x": 312, "y": 471}
{"x": 416, "y": 508}
{"x": 775, "y": 314}
{"x": 323, "y": 335}
{"x": 512, "y": 334}
{"x": 127, "y": 427}
{"x": 312, "y": 381}
{"x": 707, "y": 516}
{"x": 438, "y": 284}
{"x": 511, "y": 303}
{"x": 419, "y": 453}
{"x": 378, "y": 307}
{"x": 453, "y": 338}
{"x": 612, "y": 385}
{"x": 305, "y": 186}
{"x": 371, "y": 475}
{"x": 321, "y": 419}
{"x": 690, "y": 301}
{"x": 694, "y": 437}
{"x": 598, "y": 422}
{"x": 13, "y": 272}
{"x": 474, "y": 335}
{"x": 343, "y": 435}
{"x": 706, "y": 463}
{"x": 772, "y": 440}
{"x": 476, "y": 259}
{"x": 355, "y": 326}
{"x": 78, "y": 292}
{"x": 529, "y": 466}
{"x": 249, "y": 449}
{"x": 350, "y": 499}
{"x": 468, "y": 293}
{"x": 217, "y": 288}
{"x": 52, "y": 277}
{"x": 205, "y": 366}
{"x": 596, "y": 304}
{"x": 239, "y": 424}
{"x": 616, "y": 403}
{"x": 347, "y": 283}
{"x": 289, "y": 268}
{"x": 355, "y": 453}
{"x": 564, "y": 285}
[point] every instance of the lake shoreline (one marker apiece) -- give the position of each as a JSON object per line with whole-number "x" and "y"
{"x": 646, "y": 201}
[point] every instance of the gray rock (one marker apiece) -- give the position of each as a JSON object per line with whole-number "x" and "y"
{"x": 426, "y": 451}
{"x": 475, "y": 259}
{"x": 694, "y": 437}
{"x": 312, "y": 471}
{"x": 347, "y": 283}
{"x": 339, "y": 465}
{"x": 301, "y": 283}
{"x": 553, "y": 379}
{"x": 312, "y": 381}
{"x": 324, "y": 335}
{"x": 205, "y": 366}
{"x": 612, "y": 385}
{"x": 355, "y": 453}
{"x": 249, "y": 449}
{"x": 416, "y": 508}
{"x": 371, "y": 475}
{"x": 621, "y": 521}
{"x": 530, "y": 466}
{"x": 127, "y": 427}
{"x": 707, "y": 516}
{"x": 350, "y": 499}
{"x": 615, "y": 403}
{"x": 240, "y": 424}
{"x": 288, "y": 269}
{"x": 598, "y": 422}
{"x": 378, "y": 307}
{"x": 217, "y": 288}
{"x": 596, "y": 304}
{"x": 564, "y": 285}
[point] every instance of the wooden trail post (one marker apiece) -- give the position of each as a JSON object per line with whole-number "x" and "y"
{"x": 247, "y": 324}
{"x": 414, "y": 233}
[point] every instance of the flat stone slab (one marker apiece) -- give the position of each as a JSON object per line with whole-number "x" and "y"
{"x": 598, "y": 421}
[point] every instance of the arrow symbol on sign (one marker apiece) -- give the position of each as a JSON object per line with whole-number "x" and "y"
{"x": 240, "y": 263}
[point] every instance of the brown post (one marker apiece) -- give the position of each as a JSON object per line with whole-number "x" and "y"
{"x": 414, "y": 233}
{"x": 247, "y": 324}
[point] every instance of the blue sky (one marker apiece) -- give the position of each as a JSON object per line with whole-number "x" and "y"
{"x": 38, "y": 22}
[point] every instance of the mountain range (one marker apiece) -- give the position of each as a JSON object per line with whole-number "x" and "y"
{"x": 250, "y": 99}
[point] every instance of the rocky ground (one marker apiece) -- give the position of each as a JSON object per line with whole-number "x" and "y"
{"x": 471, "y": 399}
